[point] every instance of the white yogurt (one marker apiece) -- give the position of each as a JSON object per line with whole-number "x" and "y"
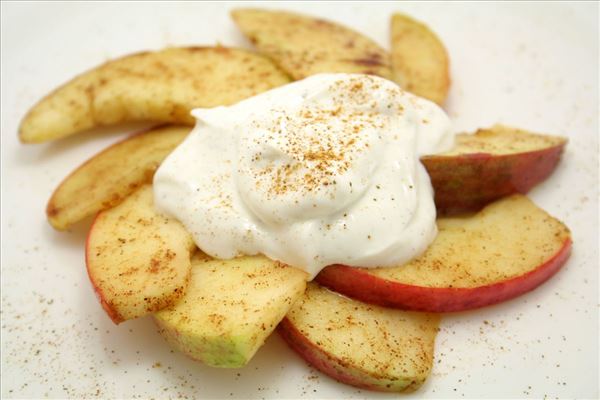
{"x": 321, "y": 171}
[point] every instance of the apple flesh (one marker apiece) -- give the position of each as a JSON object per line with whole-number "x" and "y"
{"x": 154, "y": 86}
{"x": 508, "y": 248}
{"x": 230, "y": 308}
{"x": 420, "y": 62}
{"x": 302, "y": 45}
{"x": 359, "y": 344}
{"x": 137, "y": 260}
{"x": 491, "y": 164}
{"x": 111, "y": 175}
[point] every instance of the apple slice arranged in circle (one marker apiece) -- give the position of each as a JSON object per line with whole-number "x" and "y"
{"x": 138, "y": 260}
{"x": 508, "y": 248}
{"x": 420, "y": 62}
{"x": 111, "y": 175}
{"x": 303, "y": 45}
{"x": 230, "y": 308}
{"x": 490, "y": 164}
{"x": 159, "y": 86}
{"x": 359, "y": 344}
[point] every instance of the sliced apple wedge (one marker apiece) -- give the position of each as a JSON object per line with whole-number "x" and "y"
{"x": 111, "y": 175}
{"x": 508, "y": 248}
{"x": 138, "y": 260}
{"x": 230, "y": 308}
{"x": 490, "y": 164}
{"x": 363, "y": 345}
{"x": 420, "y": 62}
{"x": 160, "y": 86}
{"x": 303, "y": 45}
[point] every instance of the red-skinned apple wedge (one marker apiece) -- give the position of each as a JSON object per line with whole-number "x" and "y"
{"x": 137, "y": 260}
{"x": 508, "y": 248}
{"x": 491, "y": 164}
{"x": 359, "y": 344}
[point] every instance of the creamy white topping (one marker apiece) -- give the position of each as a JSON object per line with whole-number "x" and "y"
{"x": 321, "y": 171}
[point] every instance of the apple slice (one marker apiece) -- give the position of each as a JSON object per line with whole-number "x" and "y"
{"x": 138, "y": 260}
{"x": 419, "y": 60}
{"x": 230, "y": 308}
{"x": 491, "y": 164}
{"x": 303, "y": 46}
{"x": 363, "y": 345}
{"x": 158, "y": 86}
{"x": 111, "y": 175}
{"x": 508, "y": 248}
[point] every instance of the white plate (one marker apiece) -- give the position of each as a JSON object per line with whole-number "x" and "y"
{"x": 530, "y": 65}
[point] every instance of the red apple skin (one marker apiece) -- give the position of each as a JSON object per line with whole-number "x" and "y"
{"x": 316, "y": 357}
{"x": 360, "y": 285}
{"x": 468, "y": 182}
{"x": 326, "y": 363}
{"x": 112, "y": 313}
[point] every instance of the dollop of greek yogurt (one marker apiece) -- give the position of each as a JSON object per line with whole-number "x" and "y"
{"x": 321, "y": 171}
